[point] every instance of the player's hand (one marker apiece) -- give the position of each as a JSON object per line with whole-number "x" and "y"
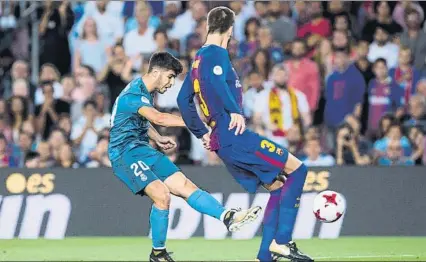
{"x": 206, "y": 141}
{"x": 166, "y": 143}
{"x": 239, "y": 122}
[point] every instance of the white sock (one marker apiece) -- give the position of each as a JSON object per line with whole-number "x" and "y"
{"x": 222, "y": 216}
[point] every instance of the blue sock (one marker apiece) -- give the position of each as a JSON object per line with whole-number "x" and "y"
{"x": 289, "y": 205}
{"x": 205, "y": 203}
{"x": 159, "y": 220}
{"x": 270, "y": 223}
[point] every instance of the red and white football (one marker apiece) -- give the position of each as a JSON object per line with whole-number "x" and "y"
{"x": 329, "y": 206}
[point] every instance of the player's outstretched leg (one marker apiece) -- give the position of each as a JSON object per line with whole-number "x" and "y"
{"x": 282, "y": 246}
{"x": 159, "y": 220}
{"x": 205, "y": 203}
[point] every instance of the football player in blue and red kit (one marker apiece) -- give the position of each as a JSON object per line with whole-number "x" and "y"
{"x": 147, "y": 171}
{"x": 251, "y": 159}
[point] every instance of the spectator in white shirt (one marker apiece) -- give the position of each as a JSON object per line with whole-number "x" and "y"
{"x": 89, "y": 49}
{"x": 141, "y": 40}
{"x": 84, "y": 132}
{"x": 186, "y": 22}
{"x": 279, "y": 108}
{"x": 113, "y": 8}
{"x": 314, "y": 155}
{"x": 382, "y": 47}
{"x": 111, "y": 27}
{"x": 255, "y": 82}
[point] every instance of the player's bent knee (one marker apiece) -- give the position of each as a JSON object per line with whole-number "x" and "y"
{"x": 180, "y": 185}
{"x": 277, "y": 184}
{"x": 292, "y": 164}
{"x": 159, "y": 194}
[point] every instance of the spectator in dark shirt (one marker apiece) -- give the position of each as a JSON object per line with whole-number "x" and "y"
{"x": 383, "y": 10}
{"x": 6, "y": 158}
{"x": 414, "y": 38}
{"x": 384, "y": 96}
{"x": 351, "y": 147}
{"x": 417, "y": 112}
{"x": 66, "y": 157}
{"x": 405, "y": 74}
{"x": 56, "y": 22}
{"x": 417, "y": 139}
{"x": 18, "y": 114}
{"x": 344, "y": 92}
{"x": 251, "y": 43}
{"x": 48, "y": 113}
{"x": 117, "y": 72}
{"x": 24, "y": 145}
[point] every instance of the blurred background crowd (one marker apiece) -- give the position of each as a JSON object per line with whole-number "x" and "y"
{"x": 336, "y": 82}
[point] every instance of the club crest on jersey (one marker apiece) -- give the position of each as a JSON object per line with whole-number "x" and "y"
{"x": 280, "y": 151}
{"x": 217, "y": 70}
{"x": 238, "y": 84}
{"x": 145, "y": 100}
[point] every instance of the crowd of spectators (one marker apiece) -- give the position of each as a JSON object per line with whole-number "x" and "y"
{"x": 336, "y": 82}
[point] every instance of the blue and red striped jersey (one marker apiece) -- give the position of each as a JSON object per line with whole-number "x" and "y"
{"x": 215, "y": 83}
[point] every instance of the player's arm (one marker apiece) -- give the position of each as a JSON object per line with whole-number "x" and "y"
{"x": 142, "y": 105}
{"x": 185, "y": 101}
{"x": 163, "y": 142}
{"x": 217, "y": 68}
{"x": 161, "y": 119}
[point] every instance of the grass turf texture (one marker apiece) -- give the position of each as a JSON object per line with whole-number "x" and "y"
{"x": 199, "y": 249}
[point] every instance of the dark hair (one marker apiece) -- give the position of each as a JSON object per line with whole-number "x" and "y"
{"x": 391, "y": 6}
{"x": 60, "y": 130}
{"x": 268, "y": 61}
{"x": 90, "y": 102}
{"x": 165, "y": 60}
{"x": 90, "y": 69}
{"x": 30, "y": 136}
{"x": 31, "y": 155}
{"x": 395, "y": 125}
{"x": 344, "y": 50}
{"x": 249, "y": 21}
{"x": 380, "y": 60}
{"x": 300, "y": 41}
{"x": 254, "y": 72}
{"x": 201, "y": 21}
{"x": 25, "y": 110}
{"x": 409, "y": 12}
{"x": 220, "y": 19}
{"x": 159, "y": 31}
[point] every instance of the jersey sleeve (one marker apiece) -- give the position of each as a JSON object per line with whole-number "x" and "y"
{"x": 132, "y": 102}
{"x": 188, "y": 109}
{"x": 216, "y": 68}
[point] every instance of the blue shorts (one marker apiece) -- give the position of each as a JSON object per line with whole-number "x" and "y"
{"x": 140, "y": 166}
{"x": 253, "y": 160}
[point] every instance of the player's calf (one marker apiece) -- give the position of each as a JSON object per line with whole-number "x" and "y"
{"x": 159, "y": 217}
{"x": 205, "y": 203}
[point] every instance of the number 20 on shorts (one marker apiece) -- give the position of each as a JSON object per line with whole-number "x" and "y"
{"x": 139, "y": 173}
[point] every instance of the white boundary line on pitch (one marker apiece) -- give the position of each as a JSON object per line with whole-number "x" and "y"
{"x": 361, "y": 256}
{"x": 349, "y": 257}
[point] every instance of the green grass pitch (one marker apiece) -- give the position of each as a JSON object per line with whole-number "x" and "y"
{"x": 199, "y": 249}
